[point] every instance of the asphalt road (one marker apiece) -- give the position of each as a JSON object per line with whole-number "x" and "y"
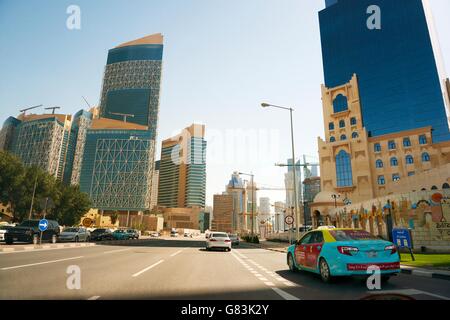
{"x": 182, "y": 269}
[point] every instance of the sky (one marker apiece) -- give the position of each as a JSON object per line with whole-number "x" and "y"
{"x": 222, "y": 58}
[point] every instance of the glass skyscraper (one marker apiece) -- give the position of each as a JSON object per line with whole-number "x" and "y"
{"x": 397, "y": 66}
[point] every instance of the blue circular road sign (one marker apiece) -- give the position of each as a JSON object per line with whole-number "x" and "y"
{"x": 43, "y": 225}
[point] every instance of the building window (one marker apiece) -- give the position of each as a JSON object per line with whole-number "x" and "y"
{"x": 446, "y": 186}
{"x": 412, "y": 173}
{"x": 381, "y": 181}
{"x": 332, "y": 139}
{"x": 392, "y": 145}
{"x": 409, "y": 160}
{"x": 407, "y": 142}
{"x": 394, "y": 162}
{"x": 425, "y": 157}
{"x": 340, "y": 103}
{"x": 342, "y": 124}
{"x": 379, "y": 164}
{"x": 331, "y": 126}
{"x": 344, "y": 169}
{"x": 395, "y": 177}
{"x": 377, "y": 147}
{"x": 423, "y": 139}
{"x": 355, "y": 135}
{"x": 353, "y": 121}
{"x": 434, "y": 188}
{"x": 343, "y": 137}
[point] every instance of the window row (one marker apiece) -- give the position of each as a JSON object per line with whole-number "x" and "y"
{"x": 382, "y": 179}
{"x": 406, "y": 143}
{"x": 355, "y": 135}
{"x": 409, "y": 160}
{"x": 331, "y": 126}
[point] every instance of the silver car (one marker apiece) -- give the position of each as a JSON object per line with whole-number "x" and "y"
{"x": 75, "y": 234}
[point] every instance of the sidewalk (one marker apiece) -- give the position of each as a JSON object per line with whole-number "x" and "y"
{"x": 27, "y": 247}
{"x": 421, "y": 272}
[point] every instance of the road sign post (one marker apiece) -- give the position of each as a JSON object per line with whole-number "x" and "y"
{"x": 43, "y": 225}
{"x": 402, "y": 238}
{"x": 289, "y": 220}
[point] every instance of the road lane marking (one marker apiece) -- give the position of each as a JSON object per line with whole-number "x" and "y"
{"x": 94, "y": 298}
{"x": 40, "y": 263}
{"x": 114, "y": 251}
{"x": 174, "y": 254}
{"x": 148, "y": 268}
{"x": 270, "y": 284}
{"x": 284, "y": 294}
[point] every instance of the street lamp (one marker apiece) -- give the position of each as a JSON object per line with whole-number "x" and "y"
{"x": 253, "y": 195}
{"x": 335, "y": 197}
{"x": 297, "y": 218}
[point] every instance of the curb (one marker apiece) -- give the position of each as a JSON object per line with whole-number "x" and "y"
{"x": 46, "y": 246}
{"x": 424, "y": 273}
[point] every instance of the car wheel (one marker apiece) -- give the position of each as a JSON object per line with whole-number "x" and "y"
{"x": 291, "y": 263}
{"x": 9, "y": 241}
{"x": 54, "y": 238}
{"x": 35, "y": 239}
{"x": 325, "y": 273}
{"x": 76, "y": 239}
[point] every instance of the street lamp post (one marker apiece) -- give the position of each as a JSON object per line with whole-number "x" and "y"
{"x": 335, "y": 197}
{"x": 297, "y": 218}
{"x": 253, "y": 195}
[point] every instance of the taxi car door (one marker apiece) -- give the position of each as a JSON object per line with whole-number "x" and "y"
{"x": 314, "y": 248}
{"x": 300, "y": 250}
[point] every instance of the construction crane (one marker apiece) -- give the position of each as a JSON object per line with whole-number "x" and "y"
{"x": 85, "y": 100}
{"x": 30, "y": 108}
{"x": 124, "y": 115}
{"x": 53, "y": 108}
{"x": 303, "y": 165}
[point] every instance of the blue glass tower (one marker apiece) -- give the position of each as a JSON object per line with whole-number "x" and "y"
{"x": 399, "y": 83}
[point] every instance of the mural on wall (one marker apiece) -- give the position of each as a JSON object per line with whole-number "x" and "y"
{"x": 426, "y": 212}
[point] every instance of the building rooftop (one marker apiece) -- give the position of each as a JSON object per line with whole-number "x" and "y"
{"x": 33, "y": 117}
{"x": 156, "y": 38}
{"x": 104, "y": 123}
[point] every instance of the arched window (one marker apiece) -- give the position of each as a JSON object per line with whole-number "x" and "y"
{"x": 331, "y": 126}
{"x": 446, "y": 186}
{"x": 394, "y": 162}
{"x": 423, "y": 189}
{"x": 407, "y": 142}
{"x": 381, "y": 180}
{"x": 392, "y": 145}
{"x": 379, "y": 164}
{"x": 344, "y": 169}
{"x": 332, "y": 139}
{"x": 340, "y": 103}
{"x": 434, "y": 188}
{"x": 409, "y": 159}
{"x": 377, "y": 147}
{"x": 353, "y": 121}
{"x": 343, "y": 137}
{"x": 425, "y": 157}
{"x": 423, "y": 139}
{"x": 342, "y": 124}
{"x": 395, "y": 177}
{"x": 355, "y": 135}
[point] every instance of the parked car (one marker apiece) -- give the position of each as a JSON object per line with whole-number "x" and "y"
{"x": 4, "y": 229}
{"x": 134, "y": 234}
{"x": 218, "y": 240}
{"x": 155, "y": 234}
{"x": 28, "y": 231}
{"x": 234, "y": 239}
{"x": 101, "y": 234}
{"x": 173, "y": 234}
{"x": 75, "y": 234}
{"x": 332, "y": 252}
{"x": 121, "y": 234}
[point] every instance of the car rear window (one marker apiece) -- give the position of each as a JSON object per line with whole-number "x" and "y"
{"x": 29, "y": 223}
{"x": 220, "y": 235}
{"x": 349, "y": 235}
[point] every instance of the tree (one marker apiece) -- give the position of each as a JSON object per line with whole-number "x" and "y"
{"x": 114, "y": 217}
{"x": 70, "y": 206}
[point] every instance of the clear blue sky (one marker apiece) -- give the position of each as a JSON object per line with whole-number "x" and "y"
{"x": 221, "y": 59}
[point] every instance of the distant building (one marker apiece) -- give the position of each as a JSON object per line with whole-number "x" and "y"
{"x": 155, "y": 184}
{"x": 204, "y": 221}
{"x": 236, "y": 188}
{"x": 311, "y": 189}
{"x": 223, "y": 209}
{"x": 182, "y": 175}
{"x": 289, "y": 183}
{"x": 264, "y": 209}
{"x": 280, "y": 215}
{"x": 182, "y": 218}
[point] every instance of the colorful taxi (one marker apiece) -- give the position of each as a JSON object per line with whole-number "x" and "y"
{"x": 333, "y": 252}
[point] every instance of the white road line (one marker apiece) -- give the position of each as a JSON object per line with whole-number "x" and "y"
{"x": 40, "y": 263}
{"x": 284, "y": 294}
{"x": 94, "y": 298}
{"x": 148, "y": 268}
{"x": 174, "y": 254}
{"x": 263, "y": 279}
{"x": 114, "y": 251}
{"x": 270, "y": 284}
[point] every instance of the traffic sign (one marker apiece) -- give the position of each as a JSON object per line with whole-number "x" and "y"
{"x": 289, "y": 220}
{"x": 43, "y": 225}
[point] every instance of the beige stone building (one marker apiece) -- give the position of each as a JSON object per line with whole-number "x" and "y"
{"x": 356, "y": 167}
{"x": 182, "y": 218}
{"x": 223, "y": 213}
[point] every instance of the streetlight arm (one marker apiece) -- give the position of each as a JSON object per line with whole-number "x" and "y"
{"x": 267, "y": 105}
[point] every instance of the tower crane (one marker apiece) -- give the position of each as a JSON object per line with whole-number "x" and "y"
{"x": 30, "y": 108}
{"x": 53, "y": 108}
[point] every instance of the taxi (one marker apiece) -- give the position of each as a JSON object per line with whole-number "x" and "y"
{"x": 332, "y": 252}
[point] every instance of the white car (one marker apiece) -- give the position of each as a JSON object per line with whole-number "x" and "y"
{"x": 218, "y": 240}
{"x": 3, "y": 230}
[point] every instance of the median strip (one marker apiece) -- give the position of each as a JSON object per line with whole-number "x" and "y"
{"x": 40, "y": 263}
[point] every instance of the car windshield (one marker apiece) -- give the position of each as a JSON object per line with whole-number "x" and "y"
{"x": 349, "y": 235}
{"x": 119, "y": 231}
{"x": 99, "y": 230}
{"x": 220, "y": 235}
{"x": 71, "y": 230}
{"x": 29, "y": 223}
